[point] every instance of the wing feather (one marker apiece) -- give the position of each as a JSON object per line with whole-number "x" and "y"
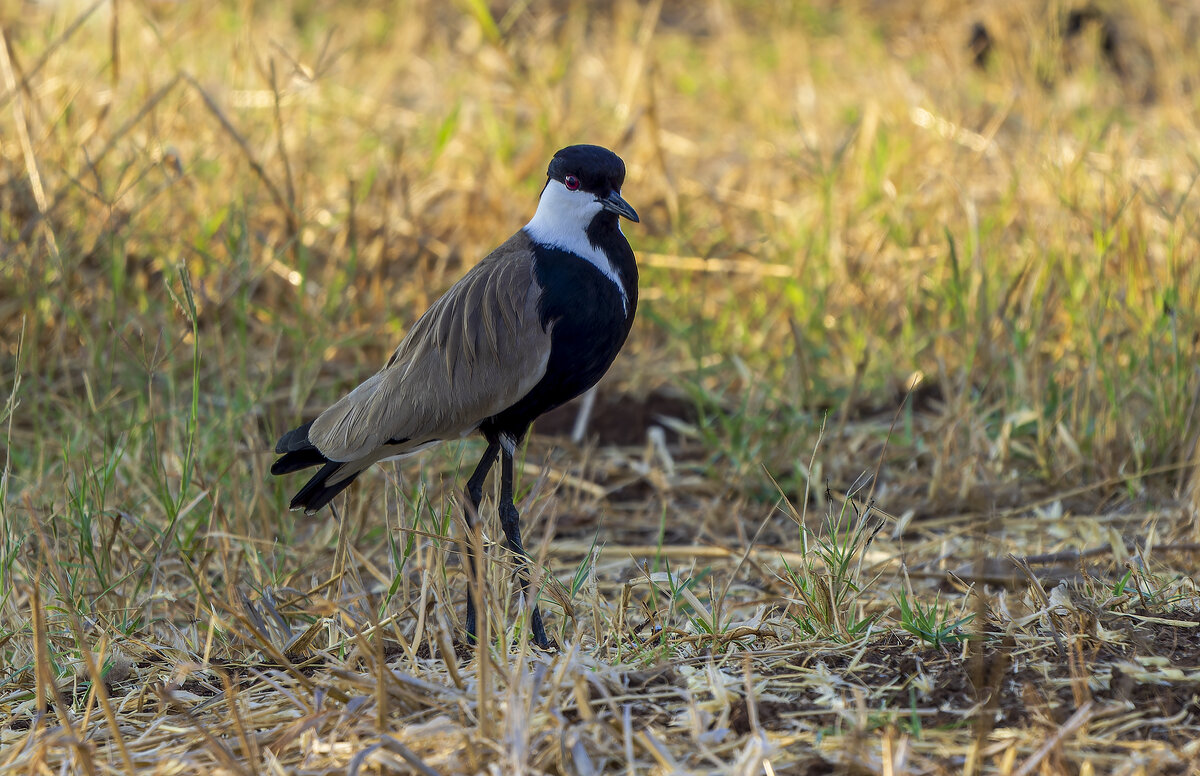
{"x": 475, "y": 352}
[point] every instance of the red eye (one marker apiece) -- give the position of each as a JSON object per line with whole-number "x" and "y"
{"x": 571, "y": 182}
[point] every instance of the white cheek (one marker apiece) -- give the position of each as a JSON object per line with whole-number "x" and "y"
{"x": 561, "y": 209}
{"x": 562, "y": 219}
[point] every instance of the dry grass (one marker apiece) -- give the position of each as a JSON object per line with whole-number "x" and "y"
{"x": 769, "y": 555}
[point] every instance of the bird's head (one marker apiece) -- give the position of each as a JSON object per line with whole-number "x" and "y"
{"x": 584, "y": 181}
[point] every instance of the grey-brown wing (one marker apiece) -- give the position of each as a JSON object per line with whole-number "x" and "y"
{"x": 474, "y": 352}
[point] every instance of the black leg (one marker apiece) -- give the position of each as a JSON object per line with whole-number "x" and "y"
{"x": 510, "y": 521}
{"x": 475, "y": 496}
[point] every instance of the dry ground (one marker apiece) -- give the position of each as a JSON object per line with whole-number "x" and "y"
{"x": 898, "y": 472}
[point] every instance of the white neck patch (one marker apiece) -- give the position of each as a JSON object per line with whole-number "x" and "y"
{"x": 562, "y": 219}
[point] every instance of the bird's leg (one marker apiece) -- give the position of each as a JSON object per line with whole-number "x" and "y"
{"x": 475, "y": 497}
{"x": 510, "y": 521}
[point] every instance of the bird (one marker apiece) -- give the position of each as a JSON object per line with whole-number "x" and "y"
{"x": 534, "y": 324}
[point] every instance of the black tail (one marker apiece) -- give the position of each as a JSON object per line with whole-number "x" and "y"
{"x": 296, "y": 453}
{"x": 316, "y": 494}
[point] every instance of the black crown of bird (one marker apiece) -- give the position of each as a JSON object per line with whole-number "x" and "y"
{"x": 533, "y": 325}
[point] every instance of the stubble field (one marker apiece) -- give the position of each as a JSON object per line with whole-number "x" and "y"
{"x": 898, "y": 472}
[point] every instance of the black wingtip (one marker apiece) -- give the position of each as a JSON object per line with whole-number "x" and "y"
{"x": 297, "y": 460}
{"x": 295, "y": 440}
{"x": 297, "y": 452}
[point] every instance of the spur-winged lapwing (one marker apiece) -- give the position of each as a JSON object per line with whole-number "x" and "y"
{"x": 532, "y": 326}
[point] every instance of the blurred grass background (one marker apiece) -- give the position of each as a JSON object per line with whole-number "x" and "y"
{"x": 1019, "y": 233}
{"x": 216, "y": 218}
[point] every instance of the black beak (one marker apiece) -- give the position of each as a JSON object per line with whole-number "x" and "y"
{"x": 614, "y": 204}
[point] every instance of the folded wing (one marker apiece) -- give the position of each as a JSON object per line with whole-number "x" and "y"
{"x": 475, "y": 352}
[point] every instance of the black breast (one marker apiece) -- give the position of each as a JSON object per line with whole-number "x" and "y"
{"x": 588, "y": 323}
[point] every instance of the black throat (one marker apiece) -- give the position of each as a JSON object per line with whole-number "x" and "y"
{"x": 587, "y": 318}
{"x": 604, "y": 232}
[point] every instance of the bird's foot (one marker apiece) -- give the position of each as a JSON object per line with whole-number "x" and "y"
{"x": 538, "y": 633}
